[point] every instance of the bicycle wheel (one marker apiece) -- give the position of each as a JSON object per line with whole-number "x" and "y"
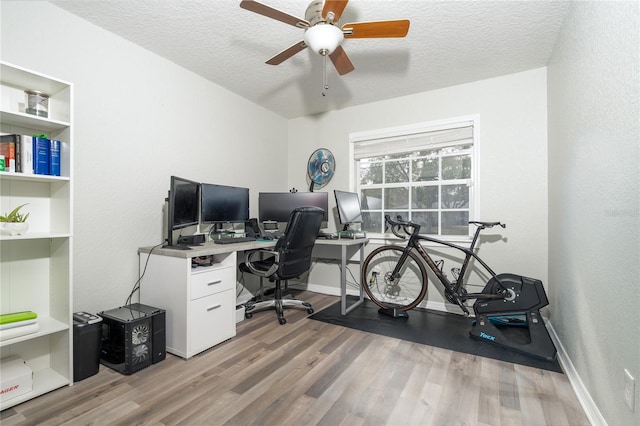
{"x": 403, "y": 293}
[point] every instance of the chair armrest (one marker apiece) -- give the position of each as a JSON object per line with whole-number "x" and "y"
{"x": 249, "y": 259}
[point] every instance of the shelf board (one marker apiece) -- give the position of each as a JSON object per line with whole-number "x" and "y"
{"x": 47, "y": 326}
{"x": 44, "y": 381}
{"x": 32, "y": 177}
{"x": 35, "y": 236}
{"x": 29, "y": 121}
{"x": 21, "y": 77}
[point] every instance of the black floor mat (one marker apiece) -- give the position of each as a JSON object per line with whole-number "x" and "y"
{"x": 428, "y": 327}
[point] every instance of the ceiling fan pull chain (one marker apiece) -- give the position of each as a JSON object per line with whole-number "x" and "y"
{"x": 325, "y": 85}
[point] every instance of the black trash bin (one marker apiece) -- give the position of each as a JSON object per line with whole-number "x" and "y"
{"x": 87, "y": 334}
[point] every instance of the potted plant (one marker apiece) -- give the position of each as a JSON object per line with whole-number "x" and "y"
{"x": 15, "y": 223}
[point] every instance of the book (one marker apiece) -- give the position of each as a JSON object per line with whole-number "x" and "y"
{"x": 17, "y": 324}
{"x": 18, "y": 153}
{"x": 17, "y": 140}
{"x": 17, "y": 316}
{"x": 27, "y": 154}
{"x": 40, "y": 155}
{"x": 8, "y": 149}
{"x": 18, "y": 331}
{"x": 54, "y": 157}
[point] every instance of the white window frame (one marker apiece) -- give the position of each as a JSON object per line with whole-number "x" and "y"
{"x": 415, "y": 129}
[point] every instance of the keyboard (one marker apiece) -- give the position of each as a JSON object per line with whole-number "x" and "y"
{"x": 233, "y": 240}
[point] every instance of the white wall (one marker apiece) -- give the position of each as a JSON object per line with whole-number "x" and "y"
{"x": 513, "y": 158}
{"x": 138, "y": 120}
{"x": 594, "y": 201}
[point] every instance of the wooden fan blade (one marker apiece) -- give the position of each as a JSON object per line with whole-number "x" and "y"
{"x": 270, "y": 12}
{"x": 341, "y": 61}
{"x": 380, "y": 29}
{"x": 287, "y": 53}
{"x": 335, "y": 6}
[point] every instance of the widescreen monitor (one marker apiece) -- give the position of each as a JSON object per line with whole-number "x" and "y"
{"x": 349, "y": 211}
{"x": 223, "y": 204}
{"x": 277, "y": 206}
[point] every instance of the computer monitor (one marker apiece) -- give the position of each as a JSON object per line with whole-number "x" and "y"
{"x": 221, "y": 204}
{"x": 348, "y": 204}
{"x": 277, "y": 206}
{"x": 183, "y": 201}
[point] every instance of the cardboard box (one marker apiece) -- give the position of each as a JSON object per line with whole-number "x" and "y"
{"x": 16, "y": 376}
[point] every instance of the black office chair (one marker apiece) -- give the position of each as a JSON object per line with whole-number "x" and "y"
{"x": 290, "y": 258}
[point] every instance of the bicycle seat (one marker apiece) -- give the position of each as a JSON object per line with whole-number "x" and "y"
{"x": 488, "y": 224}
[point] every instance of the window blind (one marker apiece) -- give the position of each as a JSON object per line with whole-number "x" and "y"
{"x": 394, "y": 144}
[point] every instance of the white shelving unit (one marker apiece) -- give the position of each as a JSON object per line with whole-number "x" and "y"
{"x": 35, "y": 268}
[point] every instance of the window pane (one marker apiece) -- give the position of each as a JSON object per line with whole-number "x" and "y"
{"x": 427, "y": 153}
{"x": 371, "y": 199}
{"x": 455, "y": 148}
{"x": 424, "y": 169}
{"x": 424, "y": 197}
{"x": 456, "y": 167}
{"x": 428, "y": 222}
{"x": 372, "y": 222}
{"x": 455, "y": 197}
{"x": 396, "y": 172}
{"x": 396, "y": 198}
{"x": 455, "y": 223}
{"x": 370, "y": 172}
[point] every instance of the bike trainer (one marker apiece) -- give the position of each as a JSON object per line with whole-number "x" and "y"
{"x": 516, "y": 322}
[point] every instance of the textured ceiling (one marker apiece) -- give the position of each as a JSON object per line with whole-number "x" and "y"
{"x": 449, "y": 43}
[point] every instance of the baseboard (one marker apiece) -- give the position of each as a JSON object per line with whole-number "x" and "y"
{"x": 588, "y": 405}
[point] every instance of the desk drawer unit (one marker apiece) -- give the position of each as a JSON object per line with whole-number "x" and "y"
{"x": 199, "y": 302}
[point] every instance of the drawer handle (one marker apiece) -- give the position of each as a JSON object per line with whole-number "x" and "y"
{"x": 213, "y": 308}
{"x": 214, "y": 282}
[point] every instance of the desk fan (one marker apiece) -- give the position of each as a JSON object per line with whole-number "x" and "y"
{"x": 320, "y": 168}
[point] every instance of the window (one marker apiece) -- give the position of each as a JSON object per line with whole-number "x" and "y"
{"x": 424, "y": 173}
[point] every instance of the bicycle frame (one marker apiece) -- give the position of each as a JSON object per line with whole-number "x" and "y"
{"x": 452, "y": 289}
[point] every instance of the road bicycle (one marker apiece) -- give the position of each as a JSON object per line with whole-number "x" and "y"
{"x": 395, "y": 278}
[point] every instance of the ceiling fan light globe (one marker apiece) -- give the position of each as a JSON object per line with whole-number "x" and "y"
{"x": 323, "y": 38}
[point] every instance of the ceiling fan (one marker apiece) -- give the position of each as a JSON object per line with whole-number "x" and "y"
{"x": 322, "y": 34}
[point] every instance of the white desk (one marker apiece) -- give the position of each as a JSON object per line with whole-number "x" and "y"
{"x": 200, "y": 302}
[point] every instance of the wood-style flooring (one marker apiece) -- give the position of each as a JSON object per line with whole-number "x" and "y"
{"x": 312, "y": 373}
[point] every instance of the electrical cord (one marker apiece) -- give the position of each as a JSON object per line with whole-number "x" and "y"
{"x": 136, "y": 286}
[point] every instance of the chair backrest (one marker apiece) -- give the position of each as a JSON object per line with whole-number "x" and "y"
{"x": 296, "y": 245}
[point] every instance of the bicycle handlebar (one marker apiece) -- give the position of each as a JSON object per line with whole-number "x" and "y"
{"x": 397, "y": 225}
{"x": 411, "y": 228}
